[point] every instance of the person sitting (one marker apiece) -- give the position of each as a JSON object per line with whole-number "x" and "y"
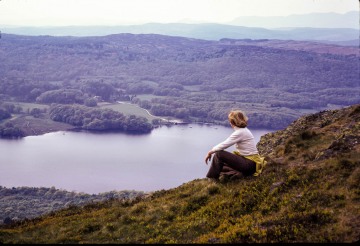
{"x": 245, "y": 160}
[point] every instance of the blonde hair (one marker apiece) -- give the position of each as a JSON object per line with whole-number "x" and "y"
{"x": 238, "y": 118}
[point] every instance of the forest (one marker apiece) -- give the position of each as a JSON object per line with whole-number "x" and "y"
{"x": 28, "y": 202}
{"x": 189, "y": 79}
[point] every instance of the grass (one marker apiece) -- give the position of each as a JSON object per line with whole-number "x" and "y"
{"x": 129, "y": 109}
{"x": 148, "y": 96}
{"x": 30, "y": 106}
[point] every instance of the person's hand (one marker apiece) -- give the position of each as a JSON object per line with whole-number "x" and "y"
{"x": 208, "y": 157}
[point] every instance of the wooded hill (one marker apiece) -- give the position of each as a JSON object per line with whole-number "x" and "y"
{"x": 308, "y": 193}
{"x": 190, "y": 79}
{"x": 22, "y": 203}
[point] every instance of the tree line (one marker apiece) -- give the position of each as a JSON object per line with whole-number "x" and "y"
{"x": 98, "y": 119}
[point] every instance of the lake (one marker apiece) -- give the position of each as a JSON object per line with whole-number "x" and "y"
{"x": 100, "y": 162}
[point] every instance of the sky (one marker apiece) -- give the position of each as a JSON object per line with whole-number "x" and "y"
{"x": 125, "y": 12}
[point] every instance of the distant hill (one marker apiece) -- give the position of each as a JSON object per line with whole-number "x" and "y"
{"x": 313, "y": 20}
{"x": 200, "y": 31}
{"x": 308, "y": 193}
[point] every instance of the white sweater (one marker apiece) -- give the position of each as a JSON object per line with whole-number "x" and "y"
{"x": 243, "y": 139}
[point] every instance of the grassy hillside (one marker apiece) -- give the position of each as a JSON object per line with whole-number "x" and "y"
{"x": 308, "y": 192}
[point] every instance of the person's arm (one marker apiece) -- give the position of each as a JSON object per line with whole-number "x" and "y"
{"x": 232, "y": 139}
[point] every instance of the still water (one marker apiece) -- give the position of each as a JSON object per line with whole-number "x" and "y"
{"x": 95, "y": 163}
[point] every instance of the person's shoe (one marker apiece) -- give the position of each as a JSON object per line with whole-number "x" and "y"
{"x": 236, "y": 176}
{"x": 224, "y": 178}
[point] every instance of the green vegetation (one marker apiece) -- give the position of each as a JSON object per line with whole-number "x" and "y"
{"x": 188, "y": 79}
{"x": 23, "y": 203}
{"x": 309, "y": 194}
{"x": 24, "y": 119}
{"x": 129, "y": 109}
{"x": 27, "y": 107}
{"x": 98, "y": 119}
{"x": 65, "y": 96}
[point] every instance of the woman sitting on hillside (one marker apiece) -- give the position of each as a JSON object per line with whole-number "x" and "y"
{"x": 245, "y": 160}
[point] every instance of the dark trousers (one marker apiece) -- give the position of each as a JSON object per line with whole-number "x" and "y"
{"x": 223, "y": 159}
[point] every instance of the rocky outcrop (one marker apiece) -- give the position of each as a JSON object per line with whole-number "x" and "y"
{"x": 314, "y": 137}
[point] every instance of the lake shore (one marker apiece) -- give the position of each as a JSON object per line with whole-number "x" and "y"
{"x": 31, "y": 126}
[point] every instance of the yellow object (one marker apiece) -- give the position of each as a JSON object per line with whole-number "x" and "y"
{"x": 260, "y": 162}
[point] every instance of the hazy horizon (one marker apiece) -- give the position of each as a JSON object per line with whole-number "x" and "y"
{"x": 52, "y": 13}
{"x": 175, "y": 22}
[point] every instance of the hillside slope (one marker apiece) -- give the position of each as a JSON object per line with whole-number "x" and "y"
{"x": 308, "y": 192}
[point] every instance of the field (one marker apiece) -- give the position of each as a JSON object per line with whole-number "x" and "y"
{"x": 129, "y": 109}
{"x": 148, "y": 96}
{"x": 29, "y": 106}
{"x": 125, "y": 108}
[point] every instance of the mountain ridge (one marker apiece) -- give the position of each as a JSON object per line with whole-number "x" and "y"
{"x": 207, "y": 31}
{"x": 318, "y": 20}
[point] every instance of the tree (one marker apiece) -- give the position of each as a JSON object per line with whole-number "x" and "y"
{"x": 4, "y": 114}
{"x": 90, "y": 102}
{"x": 35, "y": 112}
